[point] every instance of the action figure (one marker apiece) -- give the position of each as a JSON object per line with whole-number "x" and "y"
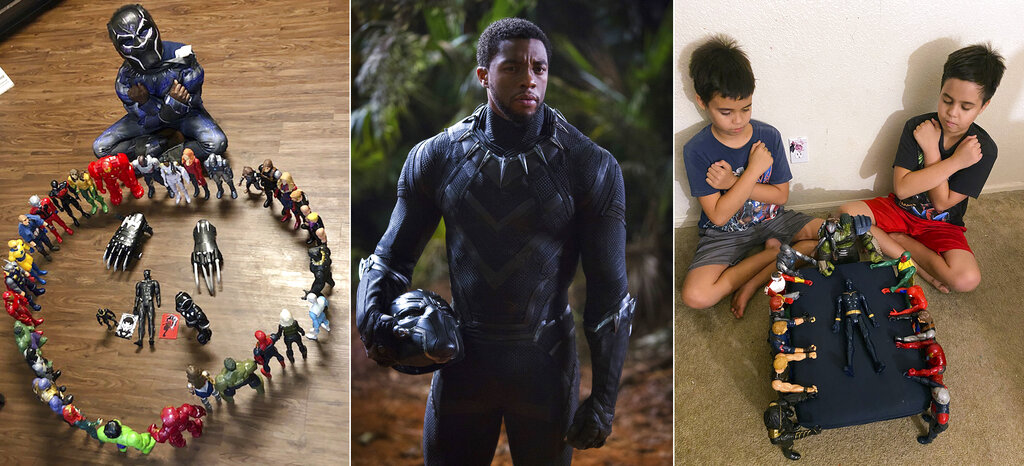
{"x": 777, "y": 306}
{"x": 923, "y": 325}
{"x": 160, "y": 84}
{"x": 205, "y": 254}
{"x": 195, "y": 172}
{"x": 220, "y": 172}
{"x": 317, "y": 314}
{"x": 778, "y": 337}
{"x": 32, "y": 230}
{"x": 320, "y": 265}
{"x": 785, "y": 261}
{"x": 300, "y": 207}
{"x": 314, "y": 225}
{"x": 65, "y": 198}
{"x": 780, "y": 374}
{"x": 268, "y": 176}
{"x": 111, "y": 169}
{"x": 26, "y": 336}
{"x": 777, "y": 285}
{"x": 291, "y": 331}
{"x": 147, "y": 291}
{"x": 264, "y": 350}
{"x": 915, "y": 299}
{"x": 74, "y": 417}
{"x": 124, "y": 437}
{"x": 838, "y": 241}
{"x": 83, "y": 185}
{"x": 194, "y": 316}
{"x": 45, "y": 208}
{"x": 20, "y": 282}
{"x": 938, "y": 418}
{"x": 42, "y": 367}
{"x": 174, "y": 176}
{"x": 525, "y": 197}
{"x": 127, "y": 241}
{"x": 175, "y": 421}
{"x": 18, "y": 253}
{"x": 236, "y": 375}
{"x": 905, "y": 271}
{"x": 285, "y": 187}
{"x": 201, "y": 384}
{"x": 852, "y": 305}
{"x": 250, "y": 178}
{"x": 934, "y": 356}
{"x": 149, "y": 167}
{"x": 52, "y": 395}
{"x": 783, "y": 429}
{"x": 106, "y": 317}
{"x": 17, "y": 306}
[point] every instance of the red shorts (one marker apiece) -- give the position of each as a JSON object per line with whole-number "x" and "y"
{"x": 937, "y": 236}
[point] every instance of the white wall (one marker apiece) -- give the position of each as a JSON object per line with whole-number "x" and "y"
{"x": 847, "y": 75}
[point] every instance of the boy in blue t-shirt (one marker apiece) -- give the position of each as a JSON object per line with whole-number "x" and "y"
{"x": 737, "y": 169}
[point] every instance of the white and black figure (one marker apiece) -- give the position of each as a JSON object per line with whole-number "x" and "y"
{"x": 126, "y": 326}
{"x": 317, "y": 314}
{"x": 525, "y": 198}
{"x": 288, "y": 329}
{"x": 219, "y": 170}
{"x": 148, "y": 167}
{"x": 41, "y": 366}
{"x": 206, "y": 255}
{"x": 127, "y": 241}
{"x": 147, "y": 293}
{"x": 194, "y": 316}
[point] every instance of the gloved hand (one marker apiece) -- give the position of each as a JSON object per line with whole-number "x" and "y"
{"x": 591, "y": 425}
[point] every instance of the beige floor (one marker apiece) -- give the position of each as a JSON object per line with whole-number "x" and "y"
{"x": 722, "y": 368}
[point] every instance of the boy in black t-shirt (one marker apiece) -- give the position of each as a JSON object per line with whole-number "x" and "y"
{"x": 942, "y": 159}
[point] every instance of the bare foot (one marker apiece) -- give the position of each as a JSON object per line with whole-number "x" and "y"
{"x": 742, "y": 296}
{"x": 932, "y": 281}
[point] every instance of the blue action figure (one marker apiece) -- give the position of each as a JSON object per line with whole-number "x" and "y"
{"x": 160, "y": 84}
{"x": 853, "y": 306}
{"x": 32, "y": 230}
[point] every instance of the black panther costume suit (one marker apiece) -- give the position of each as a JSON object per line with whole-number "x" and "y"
{"x": 522, "y": 206}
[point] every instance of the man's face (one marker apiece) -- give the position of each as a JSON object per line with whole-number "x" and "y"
{"x": 23, "y": 219}
{"x": 516, "y": 79}
{"x": 959, "y": 104}
{"x": 729, "y": 117}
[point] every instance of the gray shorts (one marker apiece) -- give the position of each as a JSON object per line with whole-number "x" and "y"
{"x": 730, "y": 247}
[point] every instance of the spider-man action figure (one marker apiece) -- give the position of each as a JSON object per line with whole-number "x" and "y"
{"x": 160, "y": 85}
{"x": 265, "y": 350}
{"x": 915, "y": 299}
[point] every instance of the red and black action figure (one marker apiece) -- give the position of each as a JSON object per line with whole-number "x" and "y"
{"x": 45, "y": 208}
{"x": 915, "y": 299}
{"x": 66, "y": 198}
{"x": 933, "y": 356}
{"x": 265, "y": 350}
{"x": 176, "y": 421}
{"x": 111, "y": 169}
{"x": 777, "y": 285}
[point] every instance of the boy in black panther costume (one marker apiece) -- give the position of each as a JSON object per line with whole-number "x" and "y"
{"x": 525, "y": 197}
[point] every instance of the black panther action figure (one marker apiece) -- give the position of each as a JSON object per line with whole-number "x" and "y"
{"x": 147, "y": 291}
{"x": 524, "y": 197}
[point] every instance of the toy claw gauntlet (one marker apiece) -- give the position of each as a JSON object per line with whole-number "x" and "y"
{"x": 608, "y": 340}
{"x": 205, "y": 254}
{"x": 379, "y": 285}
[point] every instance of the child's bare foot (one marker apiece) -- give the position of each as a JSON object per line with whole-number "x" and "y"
{"x": 742, "y": 296}
{"x": 932, "y": 281}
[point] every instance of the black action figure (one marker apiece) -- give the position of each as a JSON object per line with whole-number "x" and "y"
{"x": 147, "y": 291}
{"x": 106, "y": 317}
{"x": 65, "y": 197}
{"x": 194, "y": 316}
{"x": 854, "y": 306}
{"x": 524, "y": 197}
{"x": 780, "y": 420}
{"x": 320, "y": 265}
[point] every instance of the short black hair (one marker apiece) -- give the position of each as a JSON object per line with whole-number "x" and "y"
{"x": 978, "y": 64}
{"x": 719, "y": 66}
{"x": 505, "y": 29}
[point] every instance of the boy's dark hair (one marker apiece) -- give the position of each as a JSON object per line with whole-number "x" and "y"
{"x": 978, "y": 64}
{"x": 505, "y": 29}
{"x": 718, "y": 66}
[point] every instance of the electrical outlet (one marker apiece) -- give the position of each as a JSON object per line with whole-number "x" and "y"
{"x": 798, "y": 150}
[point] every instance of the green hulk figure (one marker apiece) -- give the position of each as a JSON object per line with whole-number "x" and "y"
{"x": 838, "y": 242}
{"x": 905, "y": 270}
{"x": 27, "y": 336}
{"x": 234, "y": 376}
{"x": 124, "y": 437}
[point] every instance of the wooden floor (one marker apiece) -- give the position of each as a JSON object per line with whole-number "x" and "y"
{"x": 277, "y": 82}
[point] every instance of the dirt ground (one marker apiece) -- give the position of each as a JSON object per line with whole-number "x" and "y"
{"x": 387, "y": 410}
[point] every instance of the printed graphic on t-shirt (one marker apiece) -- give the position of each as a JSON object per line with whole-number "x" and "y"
{"x": 920, "y": 204}
{"x": 752, "y": 212}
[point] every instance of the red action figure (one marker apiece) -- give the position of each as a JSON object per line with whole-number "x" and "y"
{"x": 915, "y": 298}
{"x": 46, "y": 209}
{"x": 17, "y": 307}
{"x": 108, "y": 170}
{"x": 777, "y": 286}
{"x": 933, "y": 356}
{"x": 177, "y": 420}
